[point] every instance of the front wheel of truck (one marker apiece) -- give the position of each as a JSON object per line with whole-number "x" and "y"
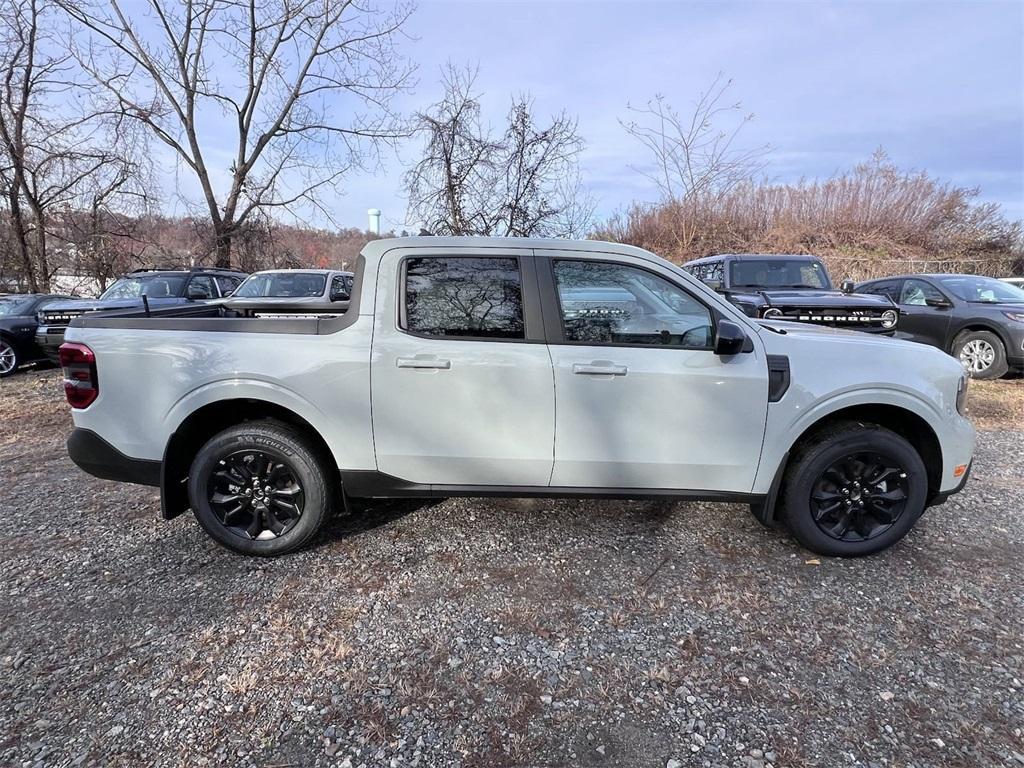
{"x": 853, "y": 489}
{"x": 260, "y": 488}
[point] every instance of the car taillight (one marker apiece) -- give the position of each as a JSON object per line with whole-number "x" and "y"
{"x": 81, "y": 386}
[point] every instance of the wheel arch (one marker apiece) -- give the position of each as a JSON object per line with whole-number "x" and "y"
{"x": 977, "y": 325}
{"x": 214, "y": 417}
{"x": 911, "y": 426}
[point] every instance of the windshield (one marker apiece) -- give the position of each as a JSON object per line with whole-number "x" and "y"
{"x": 10, "y": 307}
{"x": 982, "y": 290}
{"x": 290, "y": 285}
{"x": 154, "y": 286}
{"x": 778, "y": 273}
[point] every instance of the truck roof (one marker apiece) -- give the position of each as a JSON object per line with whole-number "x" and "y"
{"x": 377, "y": 248}
{"x": 757, "y": 256}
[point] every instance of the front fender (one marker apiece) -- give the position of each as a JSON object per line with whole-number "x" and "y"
{"x": 792, "y": 417}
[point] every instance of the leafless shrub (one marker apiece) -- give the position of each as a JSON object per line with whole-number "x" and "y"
{"x": 872, "y": 220}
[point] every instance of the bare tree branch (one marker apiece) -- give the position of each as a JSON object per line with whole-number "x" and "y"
{"x": 303, "y": 91}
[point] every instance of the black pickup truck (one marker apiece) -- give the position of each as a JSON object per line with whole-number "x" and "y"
{"x": 795, "y": 288}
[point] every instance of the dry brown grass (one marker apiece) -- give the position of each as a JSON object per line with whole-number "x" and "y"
{"x": 868, "y": 222}
{"x": 997, "y": 404}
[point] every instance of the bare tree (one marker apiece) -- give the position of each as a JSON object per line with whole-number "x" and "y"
{"x": 695, "y": 158}
{"x": 305, "y": 87}
{"x": 52, "y": 151}
{"x": 467, "y": 182}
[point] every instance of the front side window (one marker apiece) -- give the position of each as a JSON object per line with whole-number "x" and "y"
{"x": 227, "y": 284}
{"x": 604, "y": 303}
{"x": 152, "y": 286}
{"x": 465, "y": 297}
{"x": 778, "y": 273}
{"x": 917, "y": 293}
{"x": 890, "y": 288}
{"x": 202, "y": 287}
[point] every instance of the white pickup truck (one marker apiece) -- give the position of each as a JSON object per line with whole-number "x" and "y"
{"x": 491, "y": 367}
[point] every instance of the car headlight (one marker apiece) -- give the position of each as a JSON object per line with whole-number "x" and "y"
{"x": 771, "y": 313}
{"x": 889, "y": 318}
{"x": 961, "y": 394}
{"x": 1018, "y": 316}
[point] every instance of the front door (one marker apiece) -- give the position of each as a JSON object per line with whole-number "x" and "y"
{"x": 924, "y": 313}
{"x": 642, "y": 401}
{"x": 461, "y": 381}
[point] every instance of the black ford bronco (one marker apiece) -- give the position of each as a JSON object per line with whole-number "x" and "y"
{"x": 795, "y": 288}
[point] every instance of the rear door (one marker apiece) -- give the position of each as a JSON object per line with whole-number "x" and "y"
{"x": 642, "y": 401}
{"x": 461, "y": 378}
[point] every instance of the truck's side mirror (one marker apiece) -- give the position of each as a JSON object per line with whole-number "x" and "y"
{"x": 848, "y": 286}
{"x": 729, "y": 338}
{"x": 713, "y": 284}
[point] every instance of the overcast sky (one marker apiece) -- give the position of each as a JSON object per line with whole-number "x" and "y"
{"x": 940, "y": 86}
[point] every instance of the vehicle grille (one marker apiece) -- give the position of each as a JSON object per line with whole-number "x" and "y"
{"x": 58, "y": 318}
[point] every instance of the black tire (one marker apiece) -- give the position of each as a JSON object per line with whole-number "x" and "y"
{"x": 275, "y": 456}
{"x": 825, "y": 469}
{"x": 10, "y": 358}
{"x": 982, "y": 353}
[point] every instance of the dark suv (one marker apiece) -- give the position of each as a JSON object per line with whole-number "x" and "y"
{"x": 18, "y": 328}
{"x": 160, "y": 287}
{"x": 795, "y": 288}
{"x": 979, "y": 320}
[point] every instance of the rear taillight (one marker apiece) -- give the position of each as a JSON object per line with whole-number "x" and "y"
{"x": 81, "y": 386}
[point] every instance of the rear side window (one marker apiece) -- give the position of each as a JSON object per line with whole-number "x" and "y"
{"x": 464, "y": 297}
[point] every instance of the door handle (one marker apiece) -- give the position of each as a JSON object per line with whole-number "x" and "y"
{"x": 424, "y": 362}
{"x": 599, "y": 369}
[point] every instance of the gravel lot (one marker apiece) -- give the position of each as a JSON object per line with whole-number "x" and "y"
{"x": 478, "y": 632}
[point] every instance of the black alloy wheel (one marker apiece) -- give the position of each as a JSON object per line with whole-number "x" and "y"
{"x": 256, "y": 495}
{"x": 860, "y": 496}
{"x": 853, "y": 489}
{"x": 262, "y": 487}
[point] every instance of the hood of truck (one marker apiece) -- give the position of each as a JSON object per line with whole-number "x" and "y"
{"x": 825, "y": 299}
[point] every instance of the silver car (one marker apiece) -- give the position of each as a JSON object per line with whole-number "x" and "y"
{"x": 281, "y": 290}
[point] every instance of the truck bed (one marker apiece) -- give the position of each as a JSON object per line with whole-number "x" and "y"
{"x": 273, "y": 318}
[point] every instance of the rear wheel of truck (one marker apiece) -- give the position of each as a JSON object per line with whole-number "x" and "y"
{"x": 260, "y": 488}
{"x": 853, "y": 489}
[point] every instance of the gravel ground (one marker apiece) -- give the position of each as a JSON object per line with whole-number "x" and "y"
{"x": 478, "y": 632}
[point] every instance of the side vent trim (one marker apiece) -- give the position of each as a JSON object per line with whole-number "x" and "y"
{"x": 778, "y": 377}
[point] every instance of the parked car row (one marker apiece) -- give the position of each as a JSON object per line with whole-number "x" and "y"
{"x": 978, "y": 320}
{"x": 32, "y": 326}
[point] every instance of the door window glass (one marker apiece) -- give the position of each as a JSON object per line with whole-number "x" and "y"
{"x": 918, "y": 293}
{"x": 227, "y": 284}
{"x": 890, "y": 288}
{"x": 201, "y": 287}
{"x": 466, "y": 297}
{"x": 605, "y": 303}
